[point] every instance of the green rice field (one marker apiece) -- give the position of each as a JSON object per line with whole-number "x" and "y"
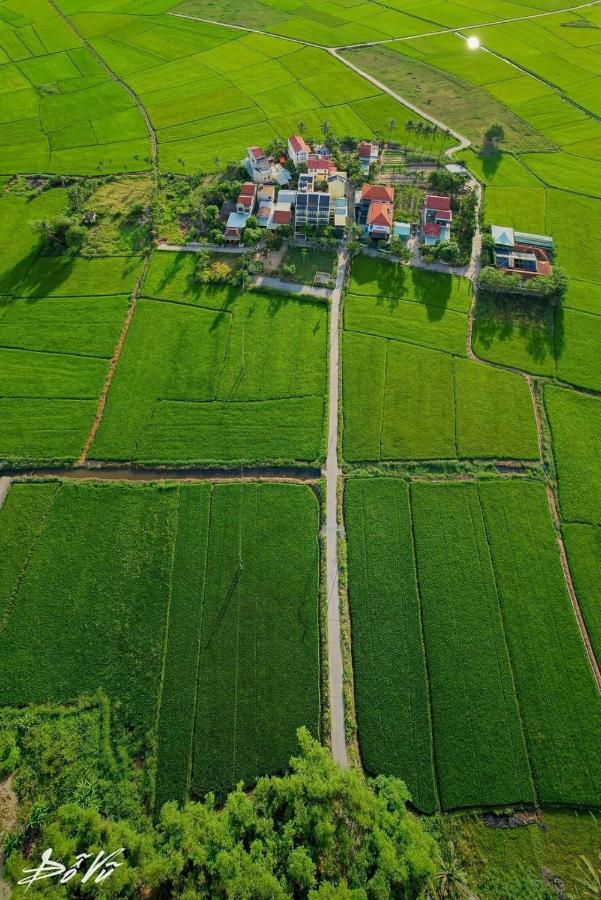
{"x": 161, "y": 581}
{"x": 459, "y": 588}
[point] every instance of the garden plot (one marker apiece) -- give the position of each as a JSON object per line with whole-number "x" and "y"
{"x": 407, "y": 402}
{"x": 575, "y": 421}
{"x": 238, "y": 382}
{"x": 524, "y": 722}
{"x": 215, "y": 585}
{"x": 20, "y": 245}
{"x": 60, "y": 110}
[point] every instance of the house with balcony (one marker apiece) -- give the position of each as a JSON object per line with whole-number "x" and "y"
{"x": 336, "y": 185}
{"x": 436, "y": 219}
{"x": 522, "y": 253}
{"x": 298, "y": 150}
{"x": 312, "y": 209}
{"x": 245, "y": 202}
{"x": 375, "y": 210}
{"x": 368, "y": 153}
{"x": 320, "y": 166}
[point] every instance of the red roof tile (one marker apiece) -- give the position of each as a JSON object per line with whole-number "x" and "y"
{"x": 321, "y": 165}
{"x": 436, "y": 201}
{"x": 381, "y": 192}
{"x": 248, "y": 189}
{"x": 298, "y": 143}
{"x": 282, "y": 217}
{"x": 431, "y": 229}
{"x": 379, "y": 214}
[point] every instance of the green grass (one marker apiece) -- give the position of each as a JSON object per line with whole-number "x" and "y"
{"x": 576, "y": 431}
{"x": 37, "y": 431}
{"x": 380, "y": 278}
{"x": 259, "y": 647}
{"x": 514, "y": 707}
{"x": 521, "y": 335}
{"x": 246, "y": 384}
{"x": 96, "y": 578}
{"x": 20, "y": 244}
{"x": 583, "y": 546}
{"x": 558, "y": 696}
{"x": 193, "y": 607}
{"x": 406, "y": 320}
{"x": 69, "y": 276}
{"x": 578, "y": 348}
{"x": 570, "y": 173}
{"x": 401, "y": 401}
{"x": 479, "y": 744}
{"x": 307, "y": 264}
{"x": 391, "y": 685}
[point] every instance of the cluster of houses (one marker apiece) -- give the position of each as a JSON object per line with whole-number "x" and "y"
{"x": 322, "y": 197}
{"x": 521, "y": 253}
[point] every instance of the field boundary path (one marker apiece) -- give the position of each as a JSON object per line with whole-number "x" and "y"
{"x": 154, "y": 144}
{"x": 332, "y": 472}
{"x": 5, "y": 483}
{"x": 113, "y": 363}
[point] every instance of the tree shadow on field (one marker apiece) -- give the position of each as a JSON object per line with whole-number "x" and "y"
{"x": 45, "y": 277}
{"x": 498, "y": 320}
{"x": 433, "y": 290}
{"x": 490, "y": 163}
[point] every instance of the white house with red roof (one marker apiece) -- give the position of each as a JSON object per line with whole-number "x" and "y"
{"x": 321, "y": 166}
{"x": 246, "y": 198}
{"x": 298, "y": 150}
{"x": 376, "y": 210}
{"x": 436, "y": 219}
{"x": 368, "y": 153}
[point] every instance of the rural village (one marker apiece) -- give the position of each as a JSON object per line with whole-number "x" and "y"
{"x": 300, "y": 442}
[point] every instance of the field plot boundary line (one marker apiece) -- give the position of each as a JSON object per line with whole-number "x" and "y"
{"x": 516, "y": 692}
{"x": 192, "y": 758}
{"x": 113, "y": 363}
{"x": 154, "y": 144}
{"x": 570, "y": 587}
{"x": 167, "y": 630}
{"x": 5, "y": 483}
{"x": 462, "y": 28}
{"x": 422, "y": 634}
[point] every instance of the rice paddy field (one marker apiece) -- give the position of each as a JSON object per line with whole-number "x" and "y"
{"x": 469, "y": 428}
{"x": 457, "y": 589}
{"x": 151, "y": 594}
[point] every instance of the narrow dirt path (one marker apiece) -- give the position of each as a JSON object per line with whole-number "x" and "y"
{"x": 570, "y": 586}
{"x": 123, "y": 472}
{"x": 122, "y": 84}
{"x": 113, "y": 364}
{"x": 5, "y": 483}
{"x": 332, "y": 473}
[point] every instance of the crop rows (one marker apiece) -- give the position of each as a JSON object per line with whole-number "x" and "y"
{"x": 194, "y": 606}
{"x": 513, "y": 703}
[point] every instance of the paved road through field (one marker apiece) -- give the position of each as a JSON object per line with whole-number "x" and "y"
{"x": 331, "y": 472}
{"x": 4, "y": 486}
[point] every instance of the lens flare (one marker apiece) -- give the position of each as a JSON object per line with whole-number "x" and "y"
{"x": 473, "y": 42}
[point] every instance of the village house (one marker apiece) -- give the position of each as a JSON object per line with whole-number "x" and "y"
{"x": 246, "y": 198}
{"x": 298, "y": 150}
{"x": 281, "y": 214}
{"x": 262, "y": 170}
{"x": 235, "y": 226}
{"x": 521, "y": 253}
{"x": 306, "y": 182}
{"x": 336, "y": 183}
{"x": 402, "y": 230}
{"x": 436, "y": 219}
{"x": 340, "y": 210}
{"x": 312, "y": 209}
{"x": 320, "y": 165}
{"x": 368, "y": 153}
{"x": 376, "y": 210}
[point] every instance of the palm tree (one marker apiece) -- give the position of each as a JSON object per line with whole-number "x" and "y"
{"x": 217, "y": 161}
{"x": 301, "y": 127}
{"x": 451, "y": 879}
{"x": 590, "y": 877}
{"x": 325, "y": 129}
{"x": 392, "y": 125}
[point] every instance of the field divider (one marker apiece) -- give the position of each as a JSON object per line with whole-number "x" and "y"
{"x": 113, "y": 363}
{"x": 436, "y": 779}
{"x": 122, "y": 84}
{"x": 563, "y": 557}
{"x": 507, "y": 647}
{"x": 5, "y": 483}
